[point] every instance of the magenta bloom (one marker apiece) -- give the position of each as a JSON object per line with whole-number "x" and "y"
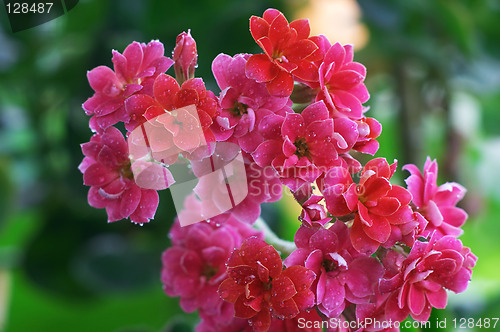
{"x": 259, "y": 287}
{"x": 313, "y": 212}
{"x": 194, "y": 266}
{"x": 368, "y": 129}
{"x": 134, "y": 70}
{"x": 287, "y": 51}
{"x": 310, "y": 140}
{"x": 341, "y": 83}
{"x": 430, "y": 268}
{"x": 382, "y": 212}
{"x": 243, "y": 101}
{"x": 106, "y": 169}
{"x": 436, "y": 204}
{"x": 342, "y": 275}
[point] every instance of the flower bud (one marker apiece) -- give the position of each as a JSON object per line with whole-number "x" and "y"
{"x": 185, "y": 57}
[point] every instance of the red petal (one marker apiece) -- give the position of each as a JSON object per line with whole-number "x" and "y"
{"x": 281, "y": 85}
{"x": 302, "y": 28}
{"x": 380, "y": 230}
{"x": 164, "y": 90}
{"x": 241, "y": 310}
{"x": 260, "y": 68}
{"x": 282, "y": 289}
{"x": 271, "y": 14}
{"x": 279, "y": 32}
{"x": 258, "y": 27}
{"x": 360, "y": 241}
{"x": 300, "y": 50}
{"x": 385, "y": 206}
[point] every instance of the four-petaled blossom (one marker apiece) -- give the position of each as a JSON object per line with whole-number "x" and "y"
{"x": 259, "y": 287}
{"x": 309, "y": 141}
{"x": 381, "y": 209}
{"x": 244, "y": 103}
{"x": 341, "y": 83}
{"x": 107, "y": 170}
{"x": 430, "y": 268}
{"x": 436, "y": 204}
{"x": 342, "y": 275}
{"x": 134, "y": 71}
{"x": 287, "y": 51}
{"x": 167, "y": 97}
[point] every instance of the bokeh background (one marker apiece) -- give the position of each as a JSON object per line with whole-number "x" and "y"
{"x": 434, "y": 77}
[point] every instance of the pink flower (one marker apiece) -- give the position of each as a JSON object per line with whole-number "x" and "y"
{"x": 243, "y": 101}
{"x": 106, "y": 169}
{"x": 340, "y": 82}
{"x": 259, "y": 287}
{"x": 287, "y": 51}
{"x": 309, "y": 141}
{"x": 134, "y": 71}
{"x": 368, "y": 129}
{"x": 342, "y": 275}
{"x": 382, "y": 214}
{"x": 185, "y": 57}
{"x": 194, "y": 266}
{"x": 430, "y": 268}
{"x": 436, "y": 204}
{"x": 313, "y": 213}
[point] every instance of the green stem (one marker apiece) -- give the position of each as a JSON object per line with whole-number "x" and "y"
{"x": 283, "y": 246}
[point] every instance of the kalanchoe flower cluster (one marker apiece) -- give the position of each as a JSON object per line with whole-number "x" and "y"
{"x": 291, "y": 116}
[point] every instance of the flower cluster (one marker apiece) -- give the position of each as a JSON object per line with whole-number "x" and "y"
{"x": 290, "y": 116}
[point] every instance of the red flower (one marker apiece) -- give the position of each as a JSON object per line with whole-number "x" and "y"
{"x": 168, "y": 96}
{"x": 382, "y": 212}
{"x": 259, "y": 287}
{"x": 287, "y": 51}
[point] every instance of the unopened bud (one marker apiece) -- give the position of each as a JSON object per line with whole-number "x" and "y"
{"x": 185, "y": 57}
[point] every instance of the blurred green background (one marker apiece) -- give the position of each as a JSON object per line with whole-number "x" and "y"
{"x": 434, "y": 77}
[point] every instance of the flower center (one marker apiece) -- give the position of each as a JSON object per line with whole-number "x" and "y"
{"x": 209, "y": 271}
{"x": 126, "y": 170}
{"x": 239, "y": 109}
{"x": 302, "y": 148}
{"x": 330, "y": 265}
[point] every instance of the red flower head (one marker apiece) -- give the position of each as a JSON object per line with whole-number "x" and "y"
{"x": 168, "y": 96}
{"x": 382, "y": 212}
{"x": 259, "y": 287}
{"x": 287, "y": 51}
{"x": 134, "y": 70}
